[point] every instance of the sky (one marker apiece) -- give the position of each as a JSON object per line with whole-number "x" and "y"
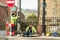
{"x": 29, "y": 4}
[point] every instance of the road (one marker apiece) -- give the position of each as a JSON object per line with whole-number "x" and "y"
{"x": 33, "y": 38}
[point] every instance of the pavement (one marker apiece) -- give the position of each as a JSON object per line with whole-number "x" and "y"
{"x": 4, "y": 37}
{"x": 3, "y": 33}
{"x": 32, "y": 38}
{"x": 28, "y": 38}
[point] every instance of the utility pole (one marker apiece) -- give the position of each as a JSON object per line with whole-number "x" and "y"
{"x": 18, "y": 13}
{"x": 43, "y": 19}
{"x": 19, "y": 6}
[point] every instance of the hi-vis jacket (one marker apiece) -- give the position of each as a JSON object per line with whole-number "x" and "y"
{"x": 13, "y": 19}
{"x": 33, "y": 29}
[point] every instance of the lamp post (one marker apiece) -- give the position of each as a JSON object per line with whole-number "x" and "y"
{"x": 43, "y": 19}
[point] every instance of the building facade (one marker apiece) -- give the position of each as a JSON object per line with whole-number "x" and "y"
{"x": 52, "y": 16}
{"x": 3, "y": 14}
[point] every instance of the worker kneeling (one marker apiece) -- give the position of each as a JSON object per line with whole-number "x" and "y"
{"x": 30, "y": 30}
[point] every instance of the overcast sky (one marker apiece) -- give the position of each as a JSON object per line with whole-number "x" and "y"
{"x": 29, "y": 4}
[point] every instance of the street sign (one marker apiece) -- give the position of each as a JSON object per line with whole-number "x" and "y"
{"x": 14, "y": 9}
{"x": 10, "y": 3}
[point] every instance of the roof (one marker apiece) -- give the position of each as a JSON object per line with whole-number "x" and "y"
{"x": 1, "y": 4}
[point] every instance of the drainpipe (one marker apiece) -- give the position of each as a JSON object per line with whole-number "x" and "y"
{"x": 43, "y": 19}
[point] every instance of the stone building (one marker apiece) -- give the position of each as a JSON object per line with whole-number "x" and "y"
{"x": 3, "y": 14}
{"x": 52, "y": 17}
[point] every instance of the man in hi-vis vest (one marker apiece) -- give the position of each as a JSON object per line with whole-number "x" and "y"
{"x": 14, "y": 19}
